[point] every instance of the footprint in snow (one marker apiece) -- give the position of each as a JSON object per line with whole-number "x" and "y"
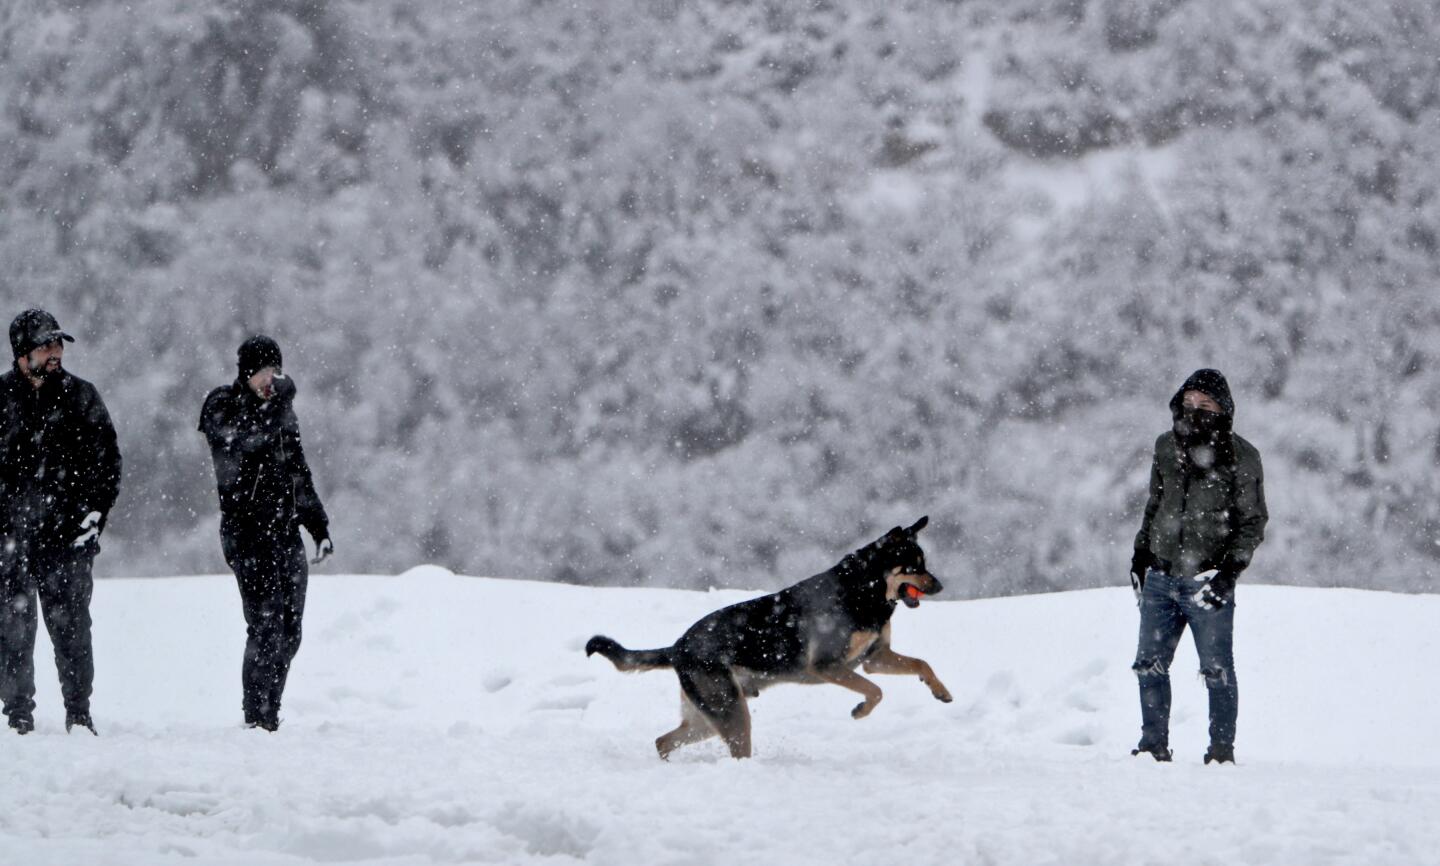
{"x": 571, "y": 680}
{"x": 1082, "y": 736}
{"x": 567, "y": 702}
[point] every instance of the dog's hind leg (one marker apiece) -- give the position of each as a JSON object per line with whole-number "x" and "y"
{"x": 693, "y": 728}
{"x": 717, "y": 696}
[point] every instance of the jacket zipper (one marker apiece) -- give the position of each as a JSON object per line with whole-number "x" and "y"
{"x": 1184, "y": 501}
{"x": 284, "y": 467}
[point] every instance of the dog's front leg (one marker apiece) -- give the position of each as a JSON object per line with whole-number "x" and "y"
{"x": 885, "y": 660}
{"x": 855, "y": 683}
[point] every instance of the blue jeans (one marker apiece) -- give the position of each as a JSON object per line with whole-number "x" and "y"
{"x": 1166, "y": 607}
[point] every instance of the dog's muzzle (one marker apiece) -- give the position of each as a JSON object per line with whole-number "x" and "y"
{"x": 926, "y": 584}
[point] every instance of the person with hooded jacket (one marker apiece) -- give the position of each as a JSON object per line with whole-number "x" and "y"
{"x": 266, "y": 495}
{"x": 1204, "y": 518}
{"x": 59, "y": 477}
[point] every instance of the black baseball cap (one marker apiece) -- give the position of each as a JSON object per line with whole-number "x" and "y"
{"x": 34, "y": 328}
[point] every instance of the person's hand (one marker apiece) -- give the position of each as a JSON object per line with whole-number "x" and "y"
{"x": 1217, "y": 586}
{"x": 1140, "y": 564}
{"x": 282, "y": 389}
{"x": 323, "y": 549}
{"x": 89, "y": 529}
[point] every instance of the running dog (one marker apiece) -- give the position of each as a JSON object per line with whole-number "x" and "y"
{"x": 817, "y": 631}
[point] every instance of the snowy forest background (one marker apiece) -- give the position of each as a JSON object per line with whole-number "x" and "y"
{"x": 707, "y": 293}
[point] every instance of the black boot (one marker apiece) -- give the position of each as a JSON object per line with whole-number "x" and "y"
{"x": 23, "y": 724}
{"x": 1159, "y": 751}
{"x": 264, "y": 723}
{"x": 80, "y": 720}
{"x": 1220, "y": 754}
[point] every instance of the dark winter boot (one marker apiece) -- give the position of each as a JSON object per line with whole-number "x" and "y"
{"x": 1159, "y": 751}
{"x": 80, "y": 720}
{"x": 23, "y": 724}
{"x": 1220, "y": 754}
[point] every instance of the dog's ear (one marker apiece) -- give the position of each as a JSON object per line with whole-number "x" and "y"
{"x": 919, "y": 525}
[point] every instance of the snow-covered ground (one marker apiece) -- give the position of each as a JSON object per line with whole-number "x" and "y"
{"x": 441, "y": 719}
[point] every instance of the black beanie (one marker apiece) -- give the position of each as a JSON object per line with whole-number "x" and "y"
{"x": 1212, "y": 384}
{"x": 256, "y": 354}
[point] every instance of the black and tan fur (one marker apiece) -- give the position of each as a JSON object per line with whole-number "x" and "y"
{"x": 817, "y": 631}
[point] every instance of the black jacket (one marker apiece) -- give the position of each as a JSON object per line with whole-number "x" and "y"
{"x": 260, "y": 469}
{"x": 59, "y": 459}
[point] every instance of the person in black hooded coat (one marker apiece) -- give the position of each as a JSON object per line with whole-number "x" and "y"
{"x": 266, "y": 495}
{"x": 1203, "y": 520}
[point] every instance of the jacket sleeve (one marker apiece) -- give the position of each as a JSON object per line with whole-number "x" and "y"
{"x": 1152, "y": 504}
{"x": 103, "y": 456}
{"x": 1249, "y": 513}
{"x": 7, "y": 435}
{"x": 229, "y": 427}
{"x": 308, "y": 509}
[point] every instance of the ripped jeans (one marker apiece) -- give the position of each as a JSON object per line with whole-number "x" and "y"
{"x": 1166, "y": 607}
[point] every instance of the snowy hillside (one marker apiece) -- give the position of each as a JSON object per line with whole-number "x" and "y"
{"x": 719, "y": 287}
{"x": 441, "y": 719}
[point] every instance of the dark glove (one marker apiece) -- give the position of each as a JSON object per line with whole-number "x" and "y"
{"x": 282, "y": 389}
{"x": 1219, "y": 586}
{"x": 90, "y": 526}
{"x": 1139, "y": 564}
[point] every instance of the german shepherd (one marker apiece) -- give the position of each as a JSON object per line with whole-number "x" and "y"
{"x": 817, "y": 631}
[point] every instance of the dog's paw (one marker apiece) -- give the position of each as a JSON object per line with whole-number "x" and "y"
{"x": 861, "y": 710}
{"x": 937, "y": 688}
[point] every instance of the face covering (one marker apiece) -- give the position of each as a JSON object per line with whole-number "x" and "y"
{"x": 1199, "y": 433}
{"x": 1198, "y": 426}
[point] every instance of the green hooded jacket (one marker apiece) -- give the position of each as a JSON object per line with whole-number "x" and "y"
{"x": 1197, "y": 518}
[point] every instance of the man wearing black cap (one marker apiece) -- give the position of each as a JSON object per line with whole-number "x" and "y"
{"x": 1205, "y": 517}
{"x": 266, "y": 495}
{"x": 59, "y": 476}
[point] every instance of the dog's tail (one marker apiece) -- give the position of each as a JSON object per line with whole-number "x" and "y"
{"x": 628, "y": 660}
